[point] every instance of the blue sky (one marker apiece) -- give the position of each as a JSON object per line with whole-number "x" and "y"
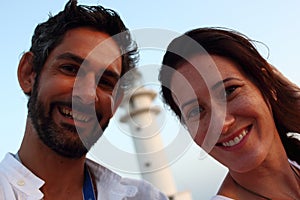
{"x": 275, "y": 23}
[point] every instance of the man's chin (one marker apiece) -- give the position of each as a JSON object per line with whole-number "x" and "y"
{"x": 73, "y": 153}
{"x": 65, "y": 141}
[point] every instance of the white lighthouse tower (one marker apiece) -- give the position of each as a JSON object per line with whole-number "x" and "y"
{"x": 141, "y": 116}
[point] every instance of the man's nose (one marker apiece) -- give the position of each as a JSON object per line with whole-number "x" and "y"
{"x": 85, "y": 89}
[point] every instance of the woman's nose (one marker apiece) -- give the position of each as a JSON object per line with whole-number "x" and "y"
{"x": 228, "y": 122}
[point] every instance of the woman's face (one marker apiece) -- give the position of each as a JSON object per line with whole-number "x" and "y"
{"x": 224, "y": 111}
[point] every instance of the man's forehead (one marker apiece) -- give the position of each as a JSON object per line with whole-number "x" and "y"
{"x": 92, "y": 40}
{"x": 90, "y": 48}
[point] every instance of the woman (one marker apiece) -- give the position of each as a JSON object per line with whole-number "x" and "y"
{"x": 239, "y": 109}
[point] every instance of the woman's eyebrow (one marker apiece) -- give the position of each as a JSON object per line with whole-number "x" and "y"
{"x": 218, "y": 84}
{"x": 188, "y": 102}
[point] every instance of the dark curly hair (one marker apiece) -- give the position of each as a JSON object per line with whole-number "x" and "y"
{"x": 284, "y": 98}
{"x": 49, "y": 34}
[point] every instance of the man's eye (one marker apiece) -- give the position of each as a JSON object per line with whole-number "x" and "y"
{"x": 194, "y": 113}
{"x": 106, "y": 84}
{"x": 69, "y": 69}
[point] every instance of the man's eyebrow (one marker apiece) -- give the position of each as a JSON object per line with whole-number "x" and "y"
{"x": 110, "y": 73}
{"x": 71, "y": 56}
{"x": 218, "y": 84}
{"x": 80, "y": 60}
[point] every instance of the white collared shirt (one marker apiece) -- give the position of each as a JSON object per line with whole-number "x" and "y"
{"x": 19, "y": 183}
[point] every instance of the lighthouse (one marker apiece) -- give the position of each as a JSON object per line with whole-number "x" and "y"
{"x": 141, "y": 117}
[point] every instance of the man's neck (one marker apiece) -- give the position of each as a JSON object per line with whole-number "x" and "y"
{"x": 62, "y": 175}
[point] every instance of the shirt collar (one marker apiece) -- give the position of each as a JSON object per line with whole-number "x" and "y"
{"x": 112, "y": 185}
{"x": 21, "y": 177}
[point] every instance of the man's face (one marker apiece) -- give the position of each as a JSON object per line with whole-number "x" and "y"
{"x": 71, "y": 103}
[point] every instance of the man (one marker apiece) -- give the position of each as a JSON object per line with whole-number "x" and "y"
{"x": 72, "y": 76}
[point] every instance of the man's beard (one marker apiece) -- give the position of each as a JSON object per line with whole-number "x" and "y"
{"x": 54, "y": 136}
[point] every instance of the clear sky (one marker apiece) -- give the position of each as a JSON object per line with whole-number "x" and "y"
{"x": 273, "y": 22}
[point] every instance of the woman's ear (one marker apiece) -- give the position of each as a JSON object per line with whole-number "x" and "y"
{"x": 26, "y": 75}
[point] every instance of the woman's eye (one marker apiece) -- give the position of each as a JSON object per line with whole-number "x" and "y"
{"x": 229, "y": 90}
{"x": 195, "y": 113}
{"x": 69, "y": 69}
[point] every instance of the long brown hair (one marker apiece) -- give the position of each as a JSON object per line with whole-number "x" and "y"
{"x": 283, "y": 97}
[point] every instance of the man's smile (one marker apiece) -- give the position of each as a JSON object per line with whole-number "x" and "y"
{"x": 68, "y": 112}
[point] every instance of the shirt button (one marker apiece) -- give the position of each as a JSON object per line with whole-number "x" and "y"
{"x": 21, "y": 182}
{"x": 131, "y": 191}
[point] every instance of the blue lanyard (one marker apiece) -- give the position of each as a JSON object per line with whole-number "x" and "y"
{"x": 88, "y": 189}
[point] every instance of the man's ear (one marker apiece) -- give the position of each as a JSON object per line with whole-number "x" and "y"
{"x": 26, "y": 75}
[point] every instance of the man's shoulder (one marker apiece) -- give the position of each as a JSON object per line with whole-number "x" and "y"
{"x": 6, "y": 187}
{"x": 6, "y": 190}
{"x": 133, "y": 189}
{"x": 5, "y": 164}
{"x": 99, "y": 170}
{"x": 145, "y": 189}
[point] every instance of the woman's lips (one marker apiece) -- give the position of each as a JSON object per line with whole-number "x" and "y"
{"x": 236, "y": 139}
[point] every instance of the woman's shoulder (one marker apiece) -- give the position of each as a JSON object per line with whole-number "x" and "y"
{"x": 294, "y": 163}
{"x": 220, "y": 197}
{"x": 227, "y": 188}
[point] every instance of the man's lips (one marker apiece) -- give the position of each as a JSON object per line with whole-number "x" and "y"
{"x": 236, "y": 138}
{"x": 75, "y": 115}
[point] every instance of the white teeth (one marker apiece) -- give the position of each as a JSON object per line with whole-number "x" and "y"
{"x": 236, "y": 140}
{"x": 66, "y": 111}
{"x": 75, "y": 116}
